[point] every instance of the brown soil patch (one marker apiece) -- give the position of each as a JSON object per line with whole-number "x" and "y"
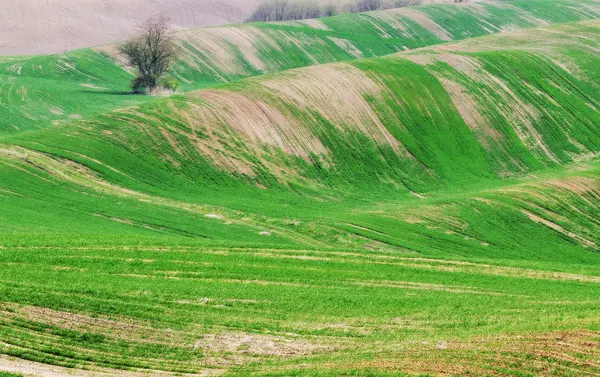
{"x": 426, "y": 287}
{"x": 467, "y": 107}
{"x": 257, "y": 344}
{"x": 577, "y": 185}
{"x": 92, "y": 86}
{"x": 391, "y": 18}
{"x": 257, "y": 121}
{"x": 422, "y": 59}
{"x": 244, "y": 38}
{"x": 315, "y": 24}
{"x": 426, "y": 22}
{"x": 33, "y": 369}
{"x": 347, "y": 46}
{"x": 481, "y": 268}
{"x": 56, "y": 111}
{"x": 221, "y": 48}
{"x": 126, "y": 329}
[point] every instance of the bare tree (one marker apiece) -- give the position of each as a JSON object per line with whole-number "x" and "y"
{"x": 285, "y": 10}
{"x": 151, "y": 53}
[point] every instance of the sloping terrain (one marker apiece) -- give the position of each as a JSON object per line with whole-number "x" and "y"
{"x": 42, "y": 90}
{"x": 424, "y": 119}
{"x": 430, "y": 212}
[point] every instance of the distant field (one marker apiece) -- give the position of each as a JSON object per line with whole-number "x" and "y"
{"x": 38, "y": 27}
{"x": 396, "y": 193}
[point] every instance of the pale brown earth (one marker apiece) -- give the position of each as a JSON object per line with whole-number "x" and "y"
{"x": 49, "y": 26}
{"x": 423, "y": 20}
{"x": 34, "y": 369}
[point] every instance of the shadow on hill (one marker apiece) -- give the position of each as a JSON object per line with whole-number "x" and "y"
{"x": 112, "y": 92}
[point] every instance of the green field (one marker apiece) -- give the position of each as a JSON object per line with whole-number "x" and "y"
{"x": 430, "y": 212}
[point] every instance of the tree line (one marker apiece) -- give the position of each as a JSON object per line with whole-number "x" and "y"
{"x": 288, "y": 10}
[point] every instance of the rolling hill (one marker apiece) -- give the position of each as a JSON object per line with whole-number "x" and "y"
{"x": 42, "y": 90}
{"x": 404, "y": 192}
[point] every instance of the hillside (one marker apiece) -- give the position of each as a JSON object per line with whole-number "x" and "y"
{"x": 320, "y": 201}
{"x": 42, "y": 90}
{"x": 485, "y": 118}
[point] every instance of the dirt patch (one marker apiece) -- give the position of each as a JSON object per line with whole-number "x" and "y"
{"x": 426, "y": 22}
{"x": 257, "y": 344}
{"x": 421, "y": 59}
{"x": 347, "y": 46}
{"x": 56, "y": 111}
{"x": 229, "y": 50}
{"x": 218, "y": 57}
{"x": 92, "y": 86}
{"x": 467, "y": 107}
{"x": 577, "y": 185}
{"x": 481, "y": 268}
{"x": 214, "y": 216}
{"x": 391, "y": 18}
{"x": 126, "y": 329}
{"x": 426, "y": 287}
{"x": 214, "y": 148}
{"x": 258, "y": 121}
{"x": 32, "y": 369}
{"x": 315, "y": 24}
{"x": 245, "y": 39}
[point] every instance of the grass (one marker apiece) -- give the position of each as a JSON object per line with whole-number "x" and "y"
{"x": 432, "y": 212}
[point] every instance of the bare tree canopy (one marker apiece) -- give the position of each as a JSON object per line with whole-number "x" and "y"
{"x": 286, "y": 10}
{"x": 151, "y": 53}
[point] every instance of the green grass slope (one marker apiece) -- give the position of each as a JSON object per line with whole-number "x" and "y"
{"x": 433, "y": 212}
{"x": 43, "y": 90}
{"x": 414, "y": 122}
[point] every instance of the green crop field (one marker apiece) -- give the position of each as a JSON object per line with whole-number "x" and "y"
{"x": 411, "y": 192}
